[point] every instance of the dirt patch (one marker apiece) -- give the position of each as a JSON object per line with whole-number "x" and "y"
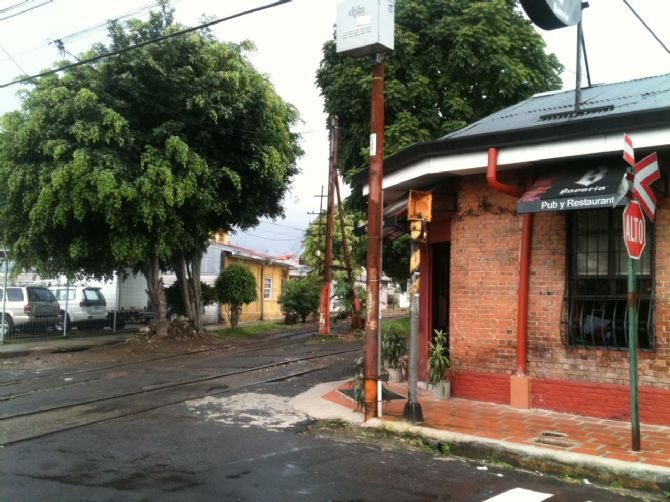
{"x": 134, "y": 348}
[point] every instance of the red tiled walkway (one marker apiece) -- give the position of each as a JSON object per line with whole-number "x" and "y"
{"x": 540, "y": 428}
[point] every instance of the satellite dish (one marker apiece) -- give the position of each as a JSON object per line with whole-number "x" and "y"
{"x": 553, "y": 14}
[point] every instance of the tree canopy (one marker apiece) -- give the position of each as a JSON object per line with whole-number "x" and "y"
{"x": 454, "y": 61}
{"x": 134, "y": 160}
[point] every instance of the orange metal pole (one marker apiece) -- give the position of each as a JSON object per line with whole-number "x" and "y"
{"x": 371, "y": 353}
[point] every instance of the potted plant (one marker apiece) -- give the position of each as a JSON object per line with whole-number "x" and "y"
{"x": 394, "y": 347}
{"x": 439, "y": 364}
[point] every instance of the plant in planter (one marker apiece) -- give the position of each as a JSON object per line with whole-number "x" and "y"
{"x": 394, "y": 348}
{"x": 358, "y": 383}
{"x": 438, "y": 365}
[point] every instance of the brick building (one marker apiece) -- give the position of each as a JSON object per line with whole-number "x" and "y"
{"x": 568, "y": 351}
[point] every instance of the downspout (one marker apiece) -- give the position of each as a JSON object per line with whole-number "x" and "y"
{"x": 262, "y": 288}
{"x": 524, "y": 265}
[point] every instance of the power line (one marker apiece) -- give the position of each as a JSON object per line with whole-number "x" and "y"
{"x": 647, "y": 26}
{"x": 24, "y": 10}
{"x": 283, "y": 226}
{"x": 146, "y": 42}
{"x": 84, "y": 32}
{"x": 13, "y": 60}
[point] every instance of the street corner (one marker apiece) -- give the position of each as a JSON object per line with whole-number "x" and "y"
{"x": 325, "y": 402}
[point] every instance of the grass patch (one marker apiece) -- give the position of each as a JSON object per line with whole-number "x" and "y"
{"x": 259, "y": 328}
{"x": 400, "y": 324}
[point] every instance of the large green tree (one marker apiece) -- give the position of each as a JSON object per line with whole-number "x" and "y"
{"x": 454, "y": 62}
{"x": 133, "y": 160}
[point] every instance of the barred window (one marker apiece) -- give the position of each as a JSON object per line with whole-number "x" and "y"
{"x": 595, "y": 305}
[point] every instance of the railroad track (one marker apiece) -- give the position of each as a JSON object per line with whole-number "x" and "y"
{"x": 31, "y": 424}
{"x": 262, "y": 342}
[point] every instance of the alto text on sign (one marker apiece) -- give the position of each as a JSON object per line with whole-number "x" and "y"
{"x": 634, "y": 230}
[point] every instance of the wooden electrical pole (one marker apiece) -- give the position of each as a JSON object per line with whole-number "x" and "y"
{"x": 324, "y": 316}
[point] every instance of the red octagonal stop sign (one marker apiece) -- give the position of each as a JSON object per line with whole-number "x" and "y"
{"x": 633, "y": 230}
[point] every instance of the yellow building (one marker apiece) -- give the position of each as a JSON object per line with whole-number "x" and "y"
{"x": 270, "y": 274}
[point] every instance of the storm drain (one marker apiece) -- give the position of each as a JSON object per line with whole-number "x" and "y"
{"x": 553, "y": 438}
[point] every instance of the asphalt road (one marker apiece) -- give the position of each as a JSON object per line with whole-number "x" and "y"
{"x": 241, "y": 441}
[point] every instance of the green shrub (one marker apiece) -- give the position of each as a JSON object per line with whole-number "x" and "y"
{"x": 394, "y": 345}
{"x": 235, "y": 286}
{"x": 300, "y": 298}
{"x": 438, "y": 359}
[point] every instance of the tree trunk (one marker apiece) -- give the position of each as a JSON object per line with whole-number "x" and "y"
{"x": 152, "y": 272}
{"x": 196, "y": 297}
{"x": 188, "y": 275}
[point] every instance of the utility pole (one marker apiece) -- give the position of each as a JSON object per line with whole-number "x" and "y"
{"x": 419, "y": 212}
{"x": 371, "y": 354}
{"x": 355, "y": 301}
{"x": 319, "y": 224}
{"x": 324, "y": 314}
{"x": 367, "y": 29}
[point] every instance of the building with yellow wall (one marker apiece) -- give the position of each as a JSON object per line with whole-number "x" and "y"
{"x": 270, "y": 274}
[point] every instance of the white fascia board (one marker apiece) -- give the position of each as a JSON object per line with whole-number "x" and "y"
{"x": 476, "y": 162}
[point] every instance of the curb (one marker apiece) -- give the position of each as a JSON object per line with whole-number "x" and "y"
{"x": 576, "y": 465}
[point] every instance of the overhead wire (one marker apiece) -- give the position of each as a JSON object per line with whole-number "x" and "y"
{"x": 25, "y": 10}
{"x": 85, "y": 32}
{"x": 146, "y": 42}
{"x": 13, "y": 60}
{"x": 646, "y": 26}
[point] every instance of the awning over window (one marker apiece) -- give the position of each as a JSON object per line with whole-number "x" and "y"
{"x": 575, "y": 189}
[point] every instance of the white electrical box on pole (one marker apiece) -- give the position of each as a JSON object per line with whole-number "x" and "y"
{"x": 365, "y": 27}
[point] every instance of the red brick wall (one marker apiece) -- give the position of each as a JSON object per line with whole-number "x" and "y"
{"x": 480, "y": 386}
{"x": 600, "y": 400}
{"x": 547, "y": 356}
{"x": 485, "y": 239}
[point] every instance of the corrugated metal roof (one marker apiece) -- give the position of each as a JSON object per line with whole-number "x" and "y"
{"x": 634, "y": 96}
{"x": 606, "y": 108}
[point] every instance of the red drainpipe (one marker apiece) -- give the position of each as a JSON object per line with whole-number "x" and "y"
{"x": 524, "y": 265}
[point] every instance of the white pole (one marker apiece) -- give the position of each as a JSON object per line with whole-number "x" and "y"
{"x": 4, "y": 297}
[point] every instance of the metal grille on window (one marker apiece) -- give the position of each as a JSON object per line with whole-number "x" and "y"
{"x": 594, "y": 310}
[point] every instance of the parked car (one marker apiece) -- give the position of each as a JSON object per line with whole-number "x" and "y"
{"x": 28, "y": 308}
{"x": 86, "y": 306}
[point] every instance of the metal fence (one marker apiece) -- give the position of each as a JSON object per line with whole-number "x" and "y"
{"x": 33, "y": 308}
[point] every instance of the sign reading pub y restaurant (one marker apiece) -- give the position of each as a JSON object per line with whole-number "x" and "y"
{"x": 580, "y": 189}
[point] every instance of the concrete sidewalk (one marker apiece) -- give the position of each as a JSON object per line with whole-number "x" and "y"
{"x": 576, "y": 447}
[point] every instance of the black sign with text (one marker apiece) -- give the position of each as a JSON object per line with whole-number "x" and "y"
{"x": 575, "y": 189}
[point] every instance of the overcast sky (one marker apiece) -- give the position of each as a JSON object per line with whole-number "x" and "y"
{"x": 289, "y": 40}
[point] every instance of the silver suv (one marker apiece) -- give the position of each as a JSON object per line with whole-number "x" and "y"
{"x": 28, "y": 308}
{"x": 86, "y": 306}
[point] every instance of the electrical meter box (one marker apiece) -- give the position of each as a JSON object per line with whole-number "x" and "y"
{"x": 365, "y": 27}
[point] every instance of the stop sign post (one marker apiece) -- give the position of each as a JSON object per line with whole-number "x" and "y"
{"x": 634, "y": 238}
{"x": 634, "y": 230}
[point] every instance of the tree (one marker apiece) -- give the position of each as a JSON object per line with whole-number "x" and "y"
{"x": 301, "y": 297}
{"x": 454, "y": 62}
{"x": 134, "y": 160}
{"x": 235, "y": 287}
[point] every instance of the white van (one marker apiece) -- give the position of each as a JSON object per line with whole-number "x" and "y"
{"x": 86, "y": 306}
